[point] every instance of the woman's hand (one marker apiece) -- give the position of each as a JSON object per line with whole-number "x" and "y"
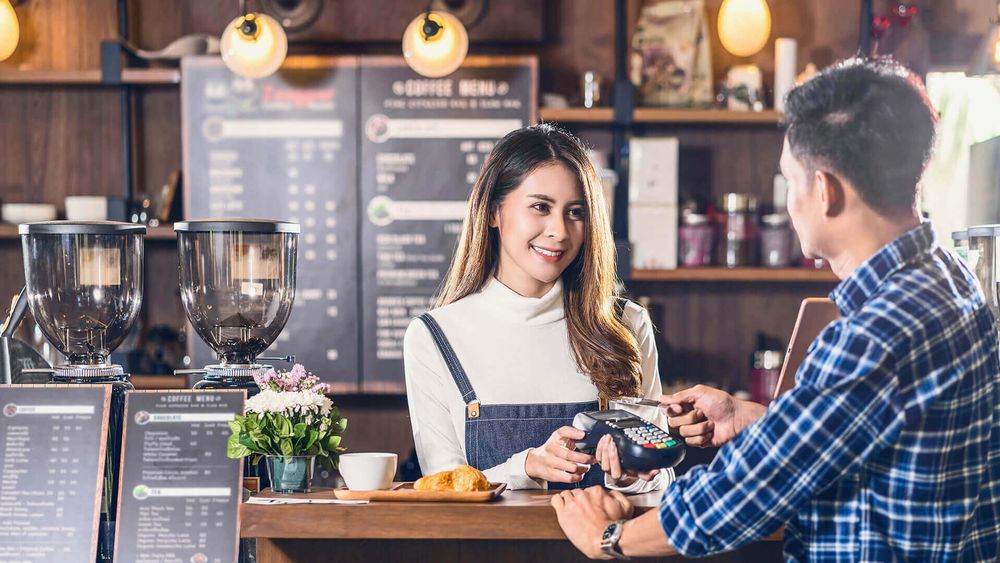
{"x": 557, "y": 460}
{"x": 607, "y": 456}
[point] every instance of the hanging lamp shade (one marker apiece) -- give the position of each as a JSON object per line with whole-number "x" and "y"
{"x": 254, "y": 45}
{"x": 435, "y": 44}
{"x": 744, "y": 26}
{"x": 10, "y": 31}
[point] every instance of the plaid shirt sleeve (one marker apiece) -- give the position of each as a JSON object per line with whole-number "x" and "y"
{"x": 844, "y": 408}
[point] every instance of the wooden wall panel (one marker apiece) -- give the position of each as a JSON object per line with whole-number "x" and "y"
{"x": 157, "y": 138}
{"x": 59, "y": 142}
{"x": 354, "y": 22}
{"x": 707, "y": 331}
{"x": 62, "y": 34}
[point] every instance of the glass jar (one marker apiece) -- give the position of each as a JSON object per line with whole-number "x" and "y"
{"x": 775, "y": 240}
{"x": 764, "y": 377}
{"x": 697, "y": 239}
{"x": 738, "y": 231}
{"x": 960, "y": 239}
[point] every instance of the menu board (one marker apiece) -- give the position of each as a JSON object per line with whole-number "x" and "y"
{"x": 52, "y": 451}
{"x": 284, "y": 148}
{"x": 179, "y": 494}
{"x": 424, "y": 141}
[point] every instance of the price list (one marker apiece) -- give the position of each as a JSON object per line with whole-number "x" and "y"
{"x": 284, "y": 148}
{"x": 52, "y": 446}
{"x": 424, "y": 141}
{"x": 179, "y": 492}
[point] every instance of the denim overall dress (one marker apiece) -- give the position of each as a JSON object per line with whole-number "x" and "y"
{"x": 493, "y": 433}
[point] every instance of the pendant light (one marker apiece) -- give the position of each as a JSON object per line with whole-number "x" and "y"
{"x": 435, "y": 43}
{"x": 744, "y": 26}
{"x": 10, "y": 31}
{"x": 254, "y": 44}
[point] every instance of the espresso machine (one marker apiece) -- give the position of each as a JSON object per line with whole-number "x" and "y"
{"x": 237, "y": 281}
{"x": 83, "y": 285}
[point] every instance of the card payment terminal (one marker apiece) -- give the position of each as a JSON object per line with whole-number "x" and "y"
{"x": 642, "y": 445}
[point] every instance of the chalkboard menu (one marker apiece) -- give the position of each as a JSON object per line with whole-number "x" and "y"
{"x": 349, "y": 145}
{"x": 52, "y": 451}
{"x": 285, "y": 148}
{"x": 423, "y": 143}
{"x": 179, "y": 493}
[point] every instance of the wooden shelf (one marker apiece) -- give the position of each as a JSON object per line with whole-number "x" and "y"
{"x": 750, "y": 275}
{"x": 662, "y": 115}
{"x": 162, "y": 232}
{"x": 166, "y": 381}
{"x": 149, "y": 76}
{"x": 576, "y": 115}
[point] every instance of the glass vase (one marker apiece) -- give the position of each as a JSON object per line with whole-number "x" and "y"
{"x": 290, "y": 473}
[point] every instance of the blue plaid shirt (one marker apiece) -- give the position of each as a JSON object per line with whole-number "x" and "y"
{"x": 888, "y": 446}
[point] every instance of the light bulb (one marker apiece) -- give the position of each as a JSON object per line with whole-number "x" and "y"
{"x": 996, "y": 48}
{"x": 744, "y": 26}
{"x": 438, "y": 54}
{"x": 10, "y": 32}
{"x": 254, "y": 45}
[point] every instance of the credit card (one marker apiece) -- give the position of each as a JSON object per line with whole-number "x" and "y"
{"x": 638, "y": 401}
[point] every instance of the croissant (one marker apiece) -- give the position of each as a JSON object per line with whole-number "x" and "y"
{"x": 463, "y": 478}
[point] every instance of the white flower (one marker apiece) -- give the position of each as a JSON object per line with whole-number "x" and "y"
{"x": 289, "y": 403}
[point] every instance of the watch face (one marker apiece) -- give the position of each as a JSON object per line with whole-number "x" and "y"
{"x": 609, "y": 531}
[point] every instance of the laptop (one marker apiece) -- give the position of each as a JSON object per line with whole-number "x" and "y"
{"x": 815, "y": 314}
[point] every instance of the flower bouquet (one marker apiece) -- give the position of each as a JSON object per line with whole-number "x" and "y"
{"x": 290, "y": 423}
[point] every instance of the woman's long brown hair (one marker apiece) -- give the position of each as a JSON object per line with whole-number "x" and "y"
{"x": 605, "y": 349}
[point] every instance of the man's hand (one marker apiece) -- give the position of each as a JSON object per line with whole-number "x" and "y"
{"x": 557, "y": 460}
{"x": 584, "y": 514}
{"x": 607, "y": 456}
{"x": 705, "y": 416}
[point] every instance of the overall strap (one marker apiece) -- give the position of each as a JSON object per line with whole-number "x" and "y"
{"x": 454, "y": 366}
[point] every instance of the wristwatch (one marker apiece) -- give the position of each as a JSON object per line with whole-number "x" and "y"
{"x": 609, "y": 540}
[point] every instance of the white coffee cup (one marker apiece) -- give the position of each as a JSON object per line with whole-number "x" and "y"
{"x": 368, "y": 471}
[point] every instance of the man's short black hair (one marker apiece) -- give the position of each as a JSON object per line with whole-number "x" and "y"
{"x": 869, "y": 122}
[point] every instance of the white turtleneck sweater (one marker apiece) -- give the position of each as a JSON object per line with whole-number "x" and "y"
{"x": 515, "y": 350}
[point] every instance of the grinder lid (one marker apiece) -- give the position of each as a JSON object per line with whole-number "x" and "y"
{"x": 81, "y": 228}
{"x": 236, "y": 226}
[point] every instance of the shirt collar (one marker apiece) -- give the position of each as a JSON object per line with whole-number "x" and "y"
{"x": 508, "y": 304}
{"x": 851, "y": 293}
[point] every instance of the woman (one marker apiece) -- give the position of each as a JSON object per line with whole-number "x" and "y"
{"x": 529, "y": 330}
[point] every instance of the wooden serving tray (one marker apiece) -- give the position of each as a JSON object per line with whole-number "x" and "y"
{"x": 403, "y": 492}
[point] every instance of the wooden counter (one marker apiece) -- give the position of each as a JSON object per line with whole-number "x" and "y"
{"x": 408, "y": 531}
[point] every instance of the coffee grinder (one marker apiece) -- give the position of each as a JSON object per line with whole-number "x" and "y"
{"x": 237, "y": 281}
{"x": 83, "y": 284}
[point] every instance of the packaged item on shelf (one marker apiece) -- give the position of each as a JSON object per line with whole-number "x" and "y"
{"x": 653, "y": 234}
{"x": 738, "y": 231}
{"x": 671, "y": 56}
{"x": 764, "y": 376}
{"x": 775, "y": 240}
{"x": 653, "y": 165}
{"x": 697, "y": 239}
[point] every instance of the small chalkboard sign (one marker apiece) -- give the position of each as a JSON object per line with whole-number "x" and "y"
{"x": 179, "y": 494}
{"x": 52, "y": 451}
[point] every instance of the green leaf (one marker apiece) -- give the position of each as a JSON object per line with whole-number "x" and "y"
{"x": 311, "y": 438}
{"x": 299, "y": 430}
{"x": 234, "y": 449}
{"x": 284, "y": 427}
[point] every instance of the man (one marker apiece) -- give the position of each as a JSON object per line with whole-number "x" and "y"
{"x": 888, "y": 446}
